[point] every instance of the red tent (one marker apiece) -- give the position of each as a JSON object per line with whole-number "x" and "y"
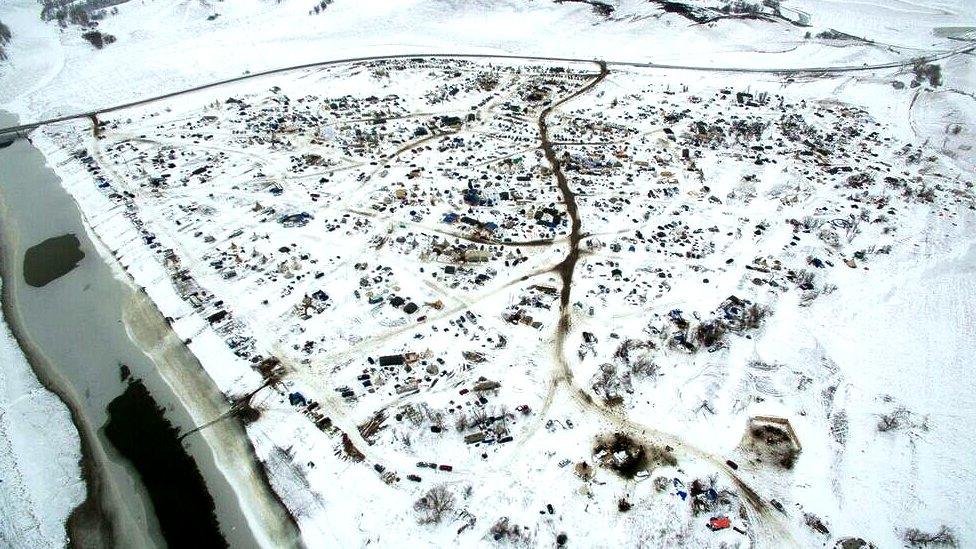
{"x": 719, "y": 523}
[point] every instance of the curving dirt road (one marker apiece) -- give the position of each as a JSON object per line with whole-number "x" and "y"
{"x": 766, "y": 524}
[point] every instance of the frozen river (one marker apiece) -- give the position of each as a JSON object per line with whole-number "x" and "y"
{"x": 78, "y": 330}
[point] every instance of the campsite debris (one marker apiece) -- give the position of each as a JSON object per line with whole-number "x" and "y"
{"x": 431, "y": 271}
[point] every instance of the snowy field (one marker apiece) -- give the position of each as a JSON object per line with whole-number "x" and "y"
{"x": 167, "y": 46}
{"x": 752, "y": 299}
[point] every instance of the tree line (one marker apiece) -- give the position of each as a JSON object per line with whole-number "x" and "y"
{"x": 5, "y": 36}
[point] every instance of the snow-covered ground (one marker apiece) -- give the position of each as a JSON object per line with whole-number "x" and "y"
{"x": 39, "y": 455}
{"x": 823, "y": 222}
{"x": 258, "y": 214}
{"x": 166, "y": 46}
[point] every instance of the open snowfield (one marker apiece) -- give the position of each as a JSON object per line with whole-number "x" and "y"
{"x": 532, "y": 303}
{"x": 166, "y": 46}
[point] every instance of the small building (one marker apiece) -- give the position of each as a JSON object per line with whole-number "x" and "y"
{"x": 217, "y": 317}
{"x": 297, "y": 399}
{"x": 295, "y": 220}
{"x": 474, "y": 437}
{"x": 392, "y": 360}
{"x": 474, "y": 255}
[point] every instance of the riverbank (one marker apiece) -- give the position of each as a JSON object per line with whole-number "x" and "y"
{"x": 173, "y": 336}
{"x": 174, "y": 377}
{"x": 40, "y": 454}
{"x": 227, "y": 439}
{"x": 90, "y": 521}
{"x": 93, "y": 521}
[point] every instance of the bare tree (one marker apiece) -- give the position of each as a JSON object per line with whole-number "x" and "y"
{"x": 436, "y": 503}
{"x": 917, "y": 538}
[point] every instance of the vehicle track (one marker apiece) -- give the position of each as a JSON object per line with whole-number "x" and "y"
{"x": 766, "y": 522}
{"x": 934, "y": 56}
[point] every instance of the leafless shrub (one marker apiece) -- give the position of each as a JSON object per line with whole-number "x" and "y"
{"x": 504, "y": 530}
{"x": 894, "y": 420}
{"x": 98, "y": 39}
{"x": 747, "y": 131}
{"x": 829, "y": 237}
{"x": 744, "y": 191}
{"x": 853, "y": 229}
{"x": 839, "y": 426}
{"x": 763, "y": 366}
{"x": 4, "y": 39}
{"x": 811, "y": 223}
{"x": 644, "y": 367}
{"x": 803, "y": 278}
{"x": 634, "y": 354}
{"x": 628, "y": 346}
{"x": 927, "y": 71}
{"x": 478, "y": 417}
{"x": 925, "y": 194}
{"x": 247, "y": 412}
{"x": 610, "y": 385}
{"x": 436, "y": 503}
{"x": 709, "y": 333}
{"x": 487, "y": 81}
{"x": 858, "y": 180}
{"x": 814, "y": 522}
{"x": 917, "y": 538}
{"x": 753, "y": 316}
{"x": 806, "y": 298}
{"x": 461, "y": 422}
